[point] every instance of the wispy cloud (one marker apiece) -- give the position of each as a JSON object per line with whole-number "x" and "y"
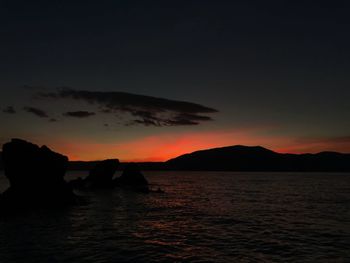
{"x": 145, "y": 110}
{"x": 79, "y": 114}
{"x": 37, "y": 112}
{"x": 9, "y": 110}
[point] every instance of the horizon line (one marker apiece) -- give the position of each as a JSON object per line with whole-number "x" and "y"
{"x": 156, "y": 160}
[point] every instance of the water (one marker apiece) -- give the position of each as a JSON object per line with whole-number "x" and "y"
{"x": 201, "y": 217}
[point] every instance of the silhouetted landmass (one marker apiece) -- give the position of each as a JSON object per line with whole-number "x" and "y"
{"x": 240, "y": 158}
{"x": 100, "y": 176}
{"x": 244, "y": 158}
{"x": 81, "y": 165}
{"x": 133, "y": 179}
{"x": 36, "y": 176}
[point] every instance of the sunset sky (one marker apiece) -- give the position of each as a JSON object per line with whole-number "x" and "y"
{"x": 150, "y": 80}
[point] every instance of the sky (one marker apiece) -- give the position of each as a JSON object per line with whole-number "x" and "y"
{"x": 150, "y": 80}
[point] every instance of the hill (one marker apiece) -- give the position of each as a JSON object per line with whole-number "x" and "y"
{"x": 241, "y": 158}
{"x": 257, "y": 158}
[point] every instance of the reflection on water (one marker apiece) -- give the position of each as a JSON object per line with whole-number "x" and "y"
{"x": 202, "y": 217}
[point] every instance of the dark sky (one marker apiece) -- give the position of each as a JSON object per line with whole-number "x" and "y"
{"x": 152, "y": 79}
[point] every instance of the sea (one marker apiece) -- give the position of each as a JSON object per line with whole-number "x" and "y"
{"x": 200, "y": 217}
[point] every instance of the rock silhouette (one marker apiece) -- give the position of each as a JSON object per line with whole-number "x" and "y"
{"x": 100, "y": 176}
{"x": 132, "y": 179}
{"x": 36, "y": 176}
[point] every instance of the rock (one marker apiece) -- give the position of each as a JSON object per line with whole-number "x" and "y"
{"x": 102, "y": 174}
{"x": 132, "y": 179}
{"x": 36, "y": 176}
{"x": 76, "y": 183}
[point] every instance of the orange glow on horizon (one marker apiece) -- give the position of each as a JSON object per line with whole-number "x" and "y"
{"x": 166, "y": 146}
{"x": 159, "y": 147}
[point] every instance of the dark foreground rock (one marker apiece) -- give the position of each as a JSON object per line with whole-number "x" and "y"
{"x": 36, "y": 176}
{"x": 101, "y": 176}
{"x": 132, "y": 179}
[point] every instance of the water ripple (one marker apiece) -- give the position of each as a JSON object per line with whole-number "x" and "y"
{"x": 201, "y": 217}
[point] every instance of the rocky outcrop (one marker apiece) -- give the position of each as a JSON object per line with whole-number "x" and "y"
{"x": 36, "y": 176}
{"x": 101, "y": 176}
{"x": 132, "y": 179}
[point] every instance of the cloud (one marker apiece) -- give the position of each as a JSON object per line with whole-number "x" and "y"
{"x": 9, "y": 109}
{"x": 78, "y": 114}
{"x": 146, "y": 110}
{"x": 38, "y": 112}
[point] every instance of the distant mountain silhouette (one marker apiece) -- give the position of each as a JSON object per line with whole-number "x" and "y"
{"x": 240, "y": 158}
{"x": 257, "y": 158}
{"x": 243, "y": 158}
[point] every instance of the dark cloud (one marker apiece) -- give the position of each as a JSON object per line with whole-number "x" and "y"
{"x": 189, "y": 119}
{"x": 53, "y": 120}
{"x": 38, "y": 112}
{"x": 78, "y": 114}
{"x": 9, "y": 109}
{"x": 149, "y": 111}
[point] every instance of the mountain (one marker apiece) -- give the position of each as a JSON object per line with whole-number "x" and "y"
{"x": 257, "y": 158}
{"x": 240, "y": 158}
